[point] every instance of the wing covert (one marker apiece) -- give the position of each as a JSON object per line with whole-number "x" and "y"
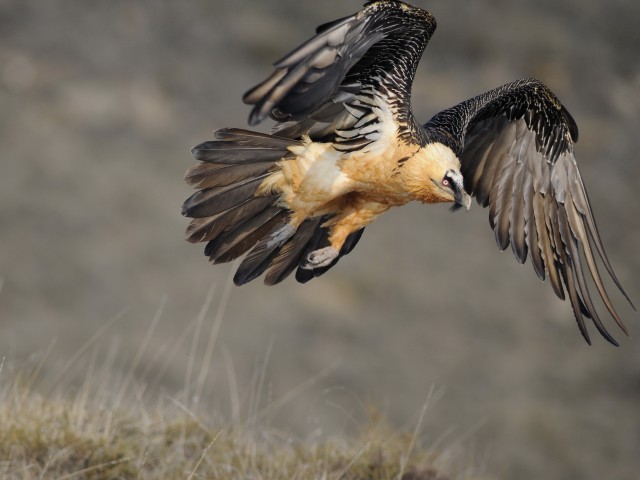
{"x": 376, "y": 49}
{"x": 516, "y": 145}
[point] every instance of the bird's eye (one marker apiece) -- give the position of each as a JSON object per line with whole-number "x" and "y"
{"x": 446, "y": 182}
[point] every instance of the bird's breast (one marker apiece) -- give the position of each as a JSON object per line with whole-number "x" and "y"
{"x": 317, "y": 175}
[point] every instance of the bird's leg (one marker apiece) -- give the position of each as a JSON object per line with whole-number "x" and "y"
{"x": 320, "y": 258}
{"x": 355, "y": 216}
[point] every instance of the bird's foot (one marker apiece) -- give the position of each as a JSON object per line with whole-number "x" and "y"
{"x": 320, "y": 258}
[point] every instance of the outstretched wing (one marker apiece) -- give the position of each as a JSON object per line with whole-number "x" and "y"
{"x": 516, "y": 145}
{"x": 329, "y": 82}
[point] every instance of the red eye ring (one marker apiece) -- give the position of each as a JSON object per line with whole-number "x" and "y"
{"x": 445, "y": 182}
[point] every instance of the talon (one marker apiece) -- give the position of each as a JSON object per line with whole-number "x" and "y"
{"x": 320, "y": 258}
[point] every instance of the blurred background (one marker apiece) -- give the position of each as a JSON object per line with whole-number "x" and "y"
{"x": 99, "y": 105}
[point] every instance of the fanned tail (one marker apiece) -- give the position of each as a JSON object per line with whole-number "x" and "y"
{"x": 234, "y": 217}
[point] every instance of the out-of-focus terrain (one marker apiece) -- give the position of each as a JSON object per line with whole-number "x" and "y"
{"x": 99, "y": 105}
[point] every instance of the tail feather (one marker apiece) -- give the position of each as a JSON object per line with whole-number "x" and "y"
{"x": 237, "y": 146}
{"x": 232, "y": 169}
{"x": 233, "y": 215}
{"x": 229, "y": 211}
{"x": 235, "y": 242}
{"x": 262, "y": 254}
{"x": 250, "y": 271}
{"x": 208, "y": 228}
{"x": 291, "y": 253}
{"x": 206, "y": 175}
{"x": 215, "y": 200}
{"x": 230, "y": 153}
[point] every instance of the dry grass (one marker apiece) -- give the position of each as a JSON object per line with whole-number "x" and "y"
{"x": 113, "y": 426}
{"x": 77, "y": 437}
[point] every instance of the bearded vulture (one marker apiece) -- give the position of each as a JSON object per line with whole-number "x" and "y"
{"x": 346, "y": 148}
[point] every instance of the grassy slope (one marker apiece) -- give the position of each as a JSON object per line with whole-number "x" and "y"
{"x": 117, "y": 425}
{"x": 114, "y": 427}
{"x": 79, "y": 438}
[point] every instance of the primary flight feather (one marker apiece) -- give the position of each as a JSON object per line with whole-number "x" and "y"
{"x": 346, "y": 148}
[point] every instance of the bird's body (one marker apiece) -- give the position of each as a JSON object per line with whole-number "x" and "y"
{"x": 346, "y": 148}
{"x": 321, "y": 180}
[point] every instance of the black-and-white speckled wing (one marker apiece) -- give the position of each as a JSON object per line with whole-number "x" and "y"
{"x": 516, "y": 145}
{"x": 331, "y": 81}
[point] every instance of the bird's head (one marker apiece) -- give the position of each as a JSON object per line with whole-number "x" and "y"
{"x": 433, "y": 176}
{"x": 452, "y": 184}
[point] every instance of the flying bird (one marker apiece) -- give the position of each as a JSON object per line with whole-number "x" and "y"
{"x": 346, "y": 148}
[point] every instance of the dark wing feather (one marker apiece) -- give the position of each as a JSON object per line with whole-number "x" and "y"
{"x": 371, "y": 52}
{"x": 516, "y": 145}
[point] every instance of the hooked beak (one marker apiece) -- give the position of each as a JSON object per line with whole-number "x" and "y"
{"x": 462, "y": 199}
{"x": 460, "y": 195}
